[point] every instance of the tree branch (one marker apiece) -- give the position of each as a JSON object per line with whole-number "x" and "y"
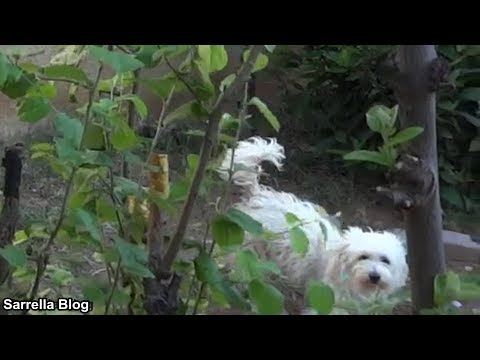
{"x": 210, "y": 140}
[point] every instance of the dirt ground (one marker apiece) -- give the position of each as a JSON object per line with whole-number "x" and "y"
{"x": 324, "y": 182}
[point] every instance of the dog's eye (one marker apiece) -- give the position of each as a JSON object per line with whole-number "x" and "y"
{"x": 385, "y": 260}
{"x": 363, "y": 257}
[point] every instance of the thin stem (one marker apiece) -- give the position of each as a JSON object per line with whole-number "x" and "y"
{"x": 70, "y": 81}
{"x": 161, "y": 118}
{"x": 210, "y": 141}
{"x": 114, "y": 286}
{"x": 184, "y": 81}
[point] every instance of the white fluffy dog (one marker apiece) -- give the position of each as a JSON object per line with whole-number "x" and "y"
{"x": 355, "y": 263}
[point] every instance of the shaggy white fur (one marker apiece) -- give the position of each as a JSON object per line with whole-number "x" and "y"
{"x": 353, "y": 262}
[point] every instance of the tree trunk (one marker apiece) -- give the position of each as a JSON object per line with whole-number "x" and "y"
{"x": 417, "y": 65}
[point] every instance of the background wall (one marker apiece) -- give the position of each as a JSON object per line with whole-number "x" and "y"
{"x": 11, "y": 129}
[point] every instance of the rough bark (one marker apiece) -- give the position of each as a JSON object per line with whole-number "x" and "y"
{"x": 418, "y": 74}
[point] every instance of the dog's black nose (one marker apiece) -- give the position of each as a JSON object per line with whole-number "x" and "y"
{"x": 374, "y": 277}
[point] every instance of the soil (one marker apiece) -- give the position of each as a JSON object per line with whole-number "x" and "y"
{"x": 321, "y": 181}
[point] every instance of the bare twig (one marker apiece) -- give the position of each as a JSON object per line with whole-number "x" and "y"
{"x": 210, "y": 141}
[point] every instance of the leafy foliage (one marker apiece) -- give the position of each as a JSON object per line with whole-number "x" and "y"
{"x": 330, "y": 88}
{"x": 104, "y": 213}
{"x": 381, "y": 120}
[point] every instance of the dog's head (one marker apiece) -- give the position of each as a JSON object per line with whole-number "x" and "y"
{"x": 371, "y": 263}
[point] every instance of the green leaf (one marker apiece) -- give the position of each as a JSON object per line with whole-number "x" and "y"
{"x": 379, "y": 118}
{"x": 137, "y": 102}
{"x": 125, "y": 186}
{"x": 29, "y": 67}
{"x": 227, "y": 233}
{"x": 47, "y": 91}
{"x": 20, "y": 237}
{"x": 446, "y": 287}
{"x": 404, "y": 136}
{"x": 261, "y": 62}
{"x": 370, "y": 156}
{"x": 228, "y": 122}
{"x": 262, "y": 107}
{"x": 33, "y": 109}
{"x": 18, "y": 83}
{"x": 292, "y": 220}
{"x": 227, "y": 82}
{"x": 134, "y": 258}
{"x": 471, "y": 94}
{"x": 162, "y": 87}
{"x": 268, "y": 300}
{"x": 65, "y": 72}
{"x": 270, "y": 48}
{"x": 185, "y": 111}
{"x": 145, "y": 55}
{"x": 4, "y": 69}
{"x": 46, "y": 147}
{"x": 218, "y": 58}
{"x": 252, "y": 268}
{"x": 120, "y": 62}
{"x": 78, "y": 200}
{"x": 207, "y": 271}
{"x": 124, "y": 138}
{"x": 70, "y": 128}
{"x": 94, "y": 137}
{"x": 320, "y": 297}
{"x": 94, "y": 293}
{"x": 60, "y": 277}
{"x": 14, "y": 255}
{"x": 89, "y": 222}
{"x": 169, "y": 51}
{"x": 245, "y": 221}
{"x": 298, "y": 241}
{"x": 106, "y": 211}
{"x": 213, "y": 57}
{"x": 179, "y": 191}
